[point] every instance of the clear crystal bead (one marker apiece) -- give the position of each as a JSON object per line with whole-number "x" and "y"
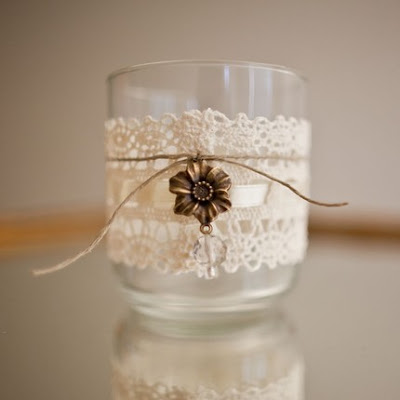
{"x": 210, "y": 252}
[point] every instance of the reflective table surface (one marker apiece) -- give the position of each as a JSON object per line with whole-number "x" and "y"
{"x": 335, "y": 336}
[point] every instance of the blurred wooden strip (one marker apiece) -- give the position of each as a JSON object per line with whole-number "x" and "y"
{"x": 379, "y": 227}
{"x": 20, "y": 232}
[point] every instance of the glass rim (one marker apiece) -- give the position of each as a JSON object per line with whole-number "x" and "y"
{"x": 217, "y": 62}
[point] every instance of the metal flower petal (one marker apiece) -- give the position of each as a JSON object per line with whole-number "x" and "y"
{"x": 206, "y": 213}
{"x": 197, "y": 170}
{"x": 184, "y": 205}
{"x": 222, "y": 202}
{"x": 219, "y": 179}
{"x": 180, "y": 184}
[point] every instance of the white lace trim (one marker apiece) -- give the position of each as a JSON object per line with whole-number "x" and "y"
{"x": 266, "y": 235}
{"x": 289, "y": 387}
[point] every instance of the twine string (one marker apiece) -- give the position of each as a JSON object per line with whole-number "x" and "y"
{"x": 182, "y": 158}
{"x": 107, "y": 226}
{"x": 283, "y": 183}
{"x": 209, "y": 157}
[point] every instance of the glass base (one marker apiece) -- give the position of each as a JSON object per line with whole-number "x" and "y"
{"x": 186, "y": 296}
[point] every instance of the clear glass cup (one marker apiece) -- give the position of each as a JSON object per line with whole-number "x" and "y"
{"x": 232, "y": 89}
{"x": 244, "y": 358}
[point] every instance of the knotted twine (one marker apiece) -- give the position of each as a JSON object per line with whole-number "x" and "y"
{"x": 179, "y": 159}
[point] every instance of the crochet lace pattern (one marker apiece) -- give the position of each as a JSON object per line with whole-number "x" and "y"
{"x": 147, "y": 233}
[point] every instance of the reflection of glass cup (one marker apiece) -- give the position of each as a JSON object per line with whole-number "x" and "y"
{"x": 217, "y": 108}
{"x": 253, "y": 359}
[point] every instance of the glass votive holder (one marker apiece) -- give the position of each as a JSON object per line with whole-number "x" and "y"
{"x": 249, "y": 113}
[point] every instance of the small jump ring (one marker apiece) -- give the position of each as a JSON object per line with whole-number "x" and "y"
{"x": 206, "y": 229}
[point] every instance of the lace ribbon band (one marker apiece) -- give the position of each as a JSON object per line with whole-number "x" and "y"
{"x": 203, "y": 191}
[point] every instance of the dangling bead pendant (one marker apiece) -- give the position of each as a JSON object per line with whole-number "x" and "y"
{"x": 209, "y": 251}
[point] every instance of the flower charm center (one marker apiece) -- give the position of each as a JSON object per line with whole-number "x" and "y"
{"x": 202, "y": 191}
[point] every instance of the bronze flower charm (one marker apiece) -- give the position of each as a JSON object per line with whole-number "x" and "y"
{"x": 201, "y": 191}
